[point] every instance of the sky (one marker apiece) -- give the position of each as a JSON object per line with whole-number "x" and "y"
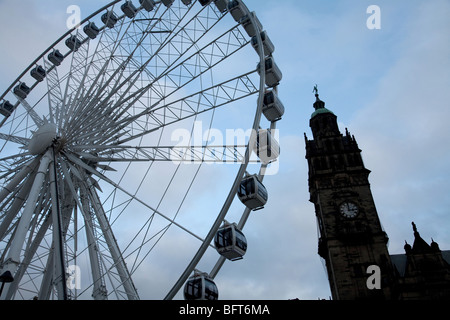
{"x": 388, "y": 86}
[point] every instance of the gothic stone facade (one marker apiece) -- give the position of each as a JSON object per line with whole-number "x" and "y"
{"x": 351, "y": 236}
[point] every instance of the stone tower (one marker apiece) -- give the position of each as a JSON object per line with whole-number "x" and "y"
{"x": 351, "y": 236}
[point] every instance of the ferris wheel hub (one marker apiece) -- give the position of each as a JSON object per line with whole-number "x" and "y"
{"x": 42, "y": 138}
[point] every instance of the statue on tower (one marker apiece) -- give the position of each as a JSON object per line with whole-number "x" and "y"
{"x": 319, "y": 104}
{"x": 316, "y": 90}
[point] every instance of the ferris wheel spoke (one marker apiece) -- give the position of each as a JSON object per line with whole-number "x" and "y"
{"x": 106, "y": 231}
{"x": 198, "y": 63}
{"x": 183, "y": 65}
{"x": 115, "y": 252}
{"x": 91, "y": 170}
{"x": 92, "y": 69}
{"x": 12, "y": 164}
{"x": 90, "y": 207}
{"x": 94, "y": 106}
{"x": 144, "y": 69}
{"x": 109, "y": 49}
{"x": 176, "y": 154}
{"x": 99, "y": 290}
{"x": 37, "y": 120}
{"x": 90, "y": 74}
{"x": 190, "y": 106}
{"x": 181, "y": 39}
{"x": 79, "y": 66}
{"x": 46, "y": 288}
{"x": 77, "y": 79}
{"x": 19, "y": 140}
{"x": 194, "y": 66}
{"x": 55, "y": 98}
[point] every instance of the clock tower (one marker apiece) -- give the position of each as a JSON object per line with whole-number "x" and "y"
{"x": 351, "y": 239}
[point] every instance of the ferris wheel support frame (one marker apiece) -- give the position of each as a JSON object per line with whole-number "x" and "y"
{"x": 13, "y": 259}
{"x": 58, "y": 246}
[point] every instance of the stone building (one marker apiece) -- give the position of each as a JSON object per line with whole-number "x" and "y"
{"x": 351, "y": 236}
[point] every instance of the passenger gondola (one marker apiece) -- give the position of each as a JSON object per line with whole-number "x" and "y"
{"x": 110, "y": 19}
{"x": 273, "y": 109}
{"x": 266, "y": 147}
{"x": 91, "y": 30}
{"x": 38, "y": 73}
{"x": 237, "y": 9}
{"x": 222, "y": 5}
{"x": 230, "y": 242}
{"x": 129, "y": 9}
{"x": 273, "y": 73}
{"x": 55, "y": 57}
{"x": 22, "y": 90}
{"x": 147, "y": 4}
{"x": 167, "y": 3}
{"x": 6, "y": 108}
{"x": 250, "y": 27}
{"x": 252, "y": 193}
{"x": 73, "y": 43}
{"x": 268, "y": 45}
{"x": 200, "y": 287}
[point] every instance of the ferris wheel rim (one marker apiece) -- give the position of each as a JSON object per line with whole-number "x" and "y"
{"x": 257, "y": 117}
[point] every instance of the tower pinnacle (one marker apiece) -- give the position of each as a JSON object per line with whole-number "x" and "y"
{"x": 319, "y": 104}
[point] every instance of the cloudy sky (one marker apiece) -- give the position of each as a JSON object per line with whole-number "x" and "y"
{"x": 389, "y": 87}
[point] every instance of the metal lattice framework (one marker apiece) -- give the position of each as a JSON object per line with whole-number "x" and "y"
{"x": 96, "y": 107}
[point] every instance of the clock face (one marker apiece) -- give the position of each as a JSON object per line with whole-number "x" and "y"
{"x": 349, "y": 209}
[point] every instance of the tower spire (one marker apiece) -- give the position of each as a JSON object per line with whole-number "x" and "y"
{"x": 419, "y": 244}
{"x": 414, "y": 227}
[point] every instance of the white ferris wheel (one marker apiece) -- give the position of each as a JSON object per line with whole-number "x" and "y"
{"x": 92, "y": 181}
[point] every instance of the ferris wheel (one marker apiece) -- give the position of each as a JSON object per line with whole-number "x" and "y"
{"x": 93, "y": 181}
